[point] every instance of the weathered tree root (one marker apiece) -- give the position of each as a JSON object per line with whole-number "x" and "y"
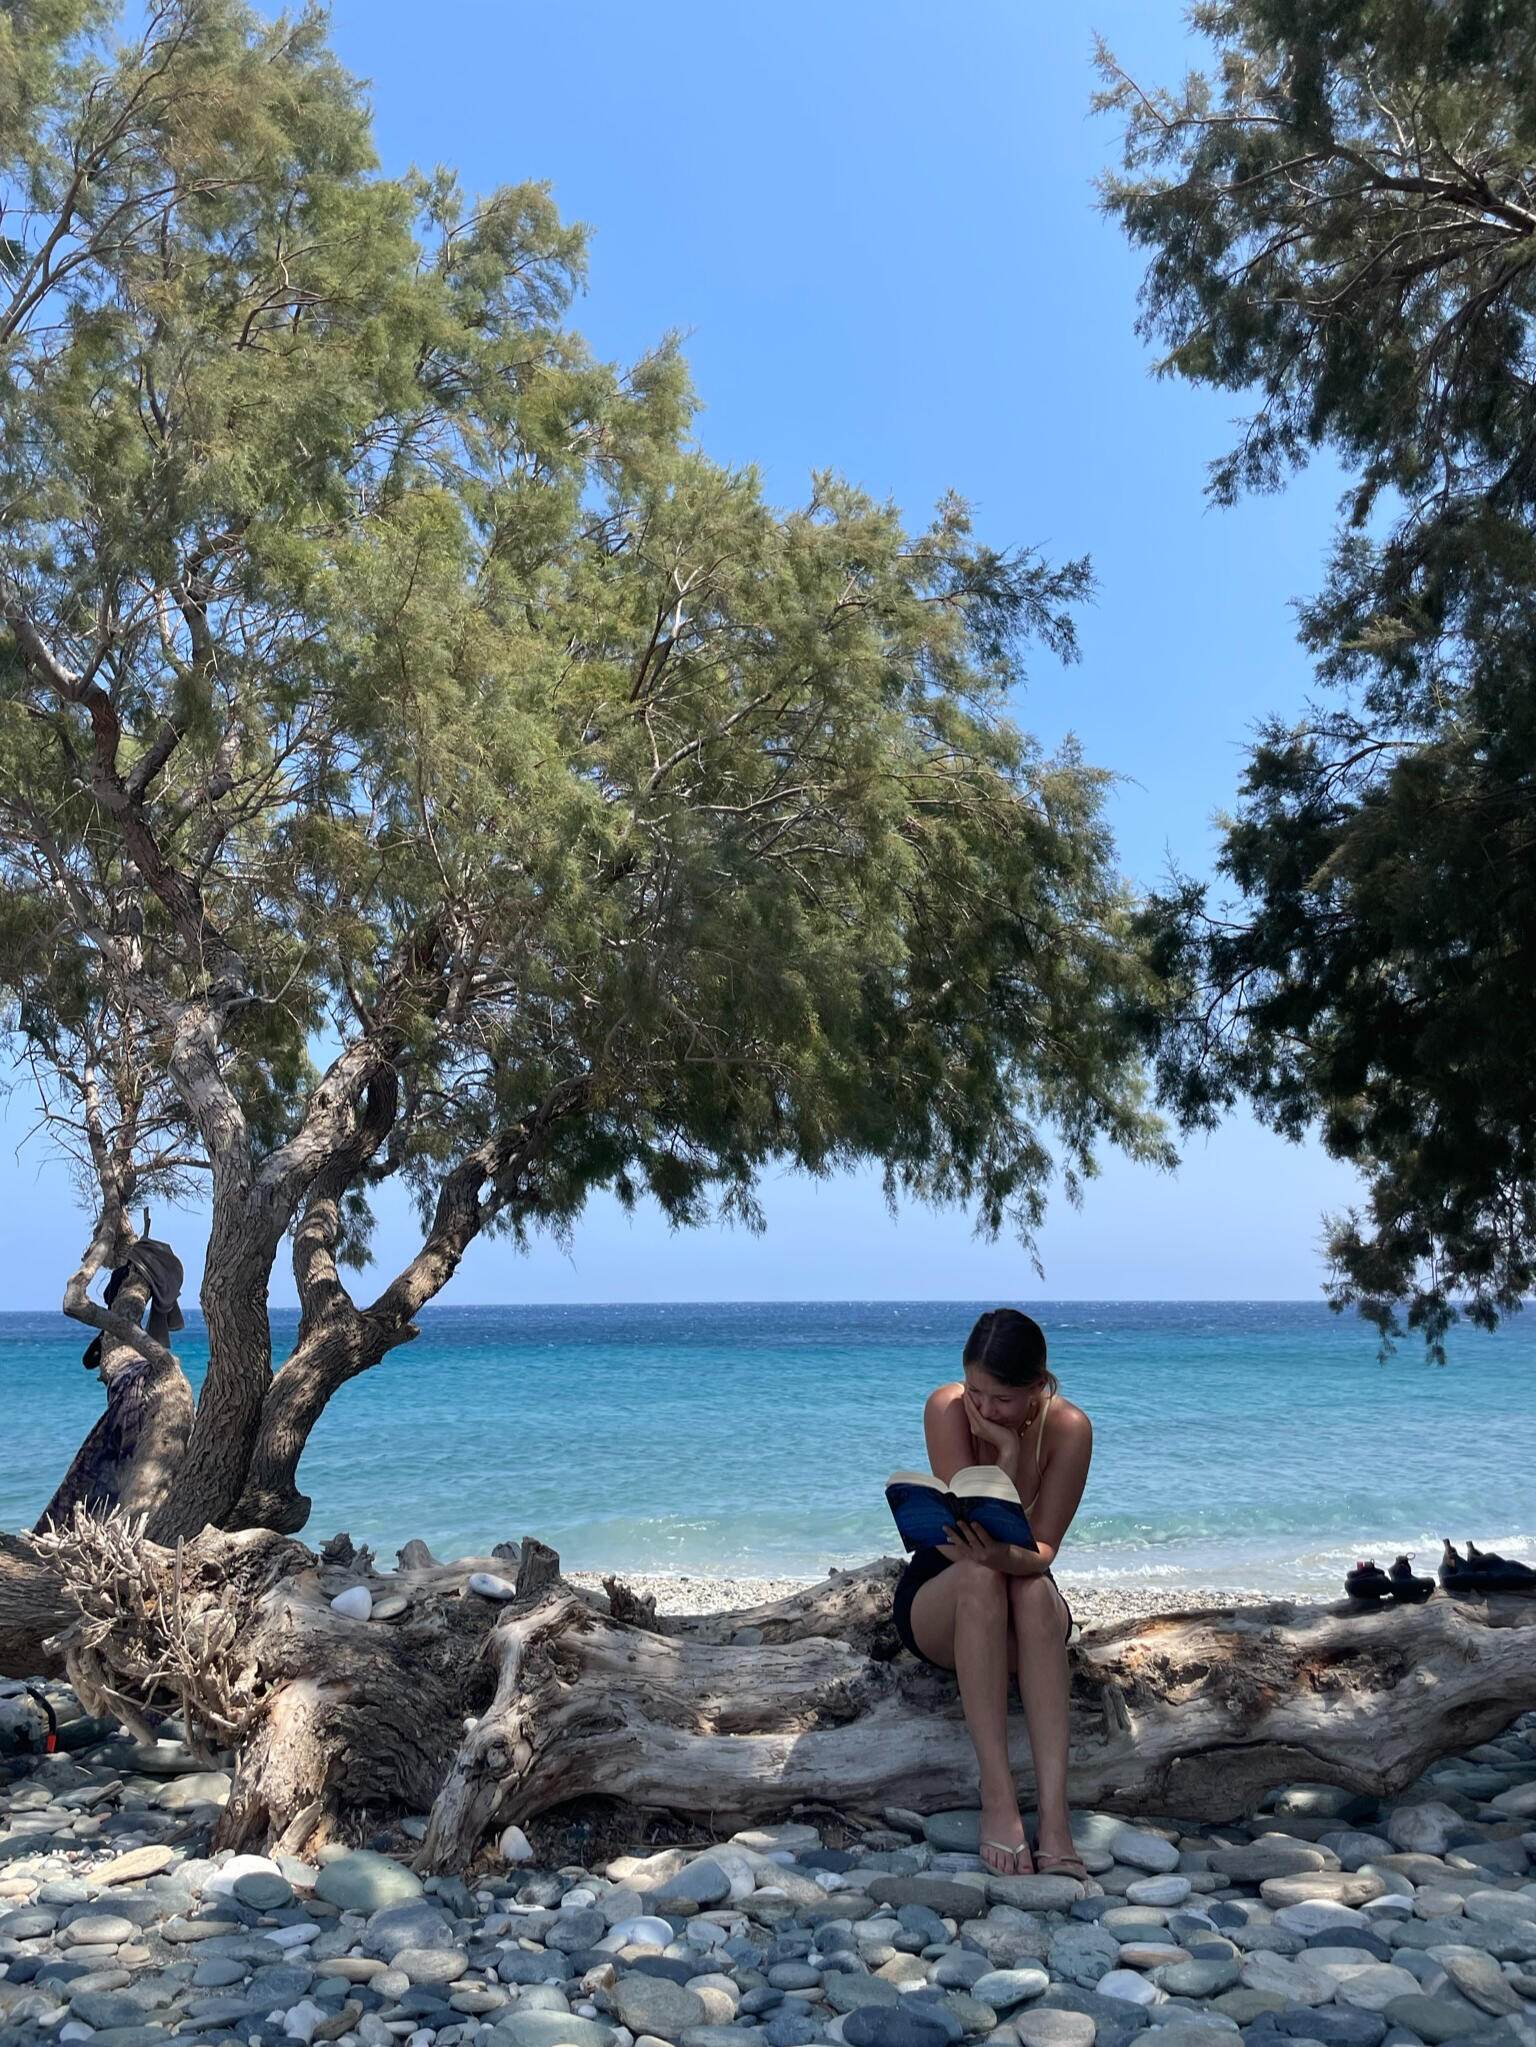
{"x": 489, "y": 1713}
{"x": 330, "y": 1719}
{"x": 358, "y": 1719}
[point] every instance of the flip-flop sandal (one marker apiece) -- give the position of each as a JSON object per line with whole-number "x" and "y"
{"x": 1061, "y": 1865}
{"x": 1012, "y": 1854}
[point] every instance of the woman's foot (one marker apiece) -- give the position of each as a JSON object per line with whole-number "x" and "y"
{"x": 1056, "y": 1853}
{"x": 1004, "y": 1849}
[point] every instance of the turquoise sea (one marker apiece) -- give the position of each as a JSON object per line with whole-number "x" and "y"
{"x": 1238, "y": 1443}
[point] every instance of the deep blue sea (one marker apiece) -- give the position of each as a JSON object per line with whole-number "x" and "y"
{"x": 1238, "y": 1443}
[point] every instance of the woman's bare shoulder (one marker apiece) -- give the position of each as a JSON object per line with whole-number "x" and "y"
{"x": 1068, "y": 1423}
{"x": 943, "y": 1398}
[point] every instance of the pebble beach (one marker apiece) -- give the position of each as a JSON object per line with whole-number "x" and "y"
{"x": 1093, "y": 1606}
{"x": 1323, "y": 1917}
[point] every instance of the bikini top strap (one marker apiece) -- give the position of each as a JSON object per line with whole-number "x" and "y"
{"x": 1040, "y": 1450}
{"x": 1040, "y": 1432}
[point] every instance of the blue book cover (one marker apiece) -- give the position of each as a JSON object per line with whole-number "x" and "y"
{"x": 925, "y": 1509}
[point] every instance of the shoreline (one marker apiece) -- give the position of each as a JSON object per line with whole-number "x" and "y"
{"x": 1093, "y": 1606}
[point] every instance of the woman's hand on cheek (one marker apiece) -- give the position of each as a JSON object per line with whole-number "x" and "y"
{"x": 1004, "y": 1441}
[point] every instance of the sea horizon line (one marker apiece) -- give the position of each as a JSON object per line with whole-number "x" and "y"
{"x": 825, "y": 1301}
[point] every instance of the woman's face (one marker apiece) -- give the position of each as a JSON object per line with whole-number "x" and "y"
{"x": 1006, "y": 1407}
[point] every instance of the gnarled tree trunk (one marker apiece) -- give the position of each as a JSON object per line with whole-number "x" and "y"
{"x": 131, "y": 1455}
{"x": 33, "y": 1608}
{"x": 330, "y": 1351}
{"x": 493, "y": 1710}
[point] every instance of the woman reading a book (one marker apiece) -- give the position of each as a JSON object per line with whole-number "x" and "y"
{"x": 983, "y": 1607}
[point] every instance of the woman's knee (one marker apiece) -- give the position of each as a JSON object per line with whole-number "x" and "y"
{"x": 980, "y": 1591}
{"x": 1036, "y": 1607}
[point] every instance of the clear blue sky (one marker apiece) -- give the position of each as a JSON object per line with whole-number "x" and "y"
{"x": 875, "y": 224}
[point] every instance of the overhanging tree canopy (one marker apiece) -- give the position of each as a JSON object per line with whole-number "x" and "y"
{"x": 1341, "y": 223}
{"x": 418, "y": 761}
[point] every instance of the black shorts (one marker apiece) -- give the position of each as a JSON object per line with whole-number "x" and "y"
{"x": 922, "y": 1565}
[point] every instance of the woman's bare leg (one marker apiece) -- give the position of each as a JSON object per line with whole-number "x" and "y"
{"x": 1039, "y": 1628}
{"x": 960, "y": 1619}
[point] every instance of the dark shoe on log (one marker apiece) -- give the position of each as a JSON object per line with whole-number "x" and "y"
{"x": 1368, "y": 1581}
{"x": 1405, "y": 1585}
{"x": 1489, "y": 1572}
{"x": 1482, "y": 1571}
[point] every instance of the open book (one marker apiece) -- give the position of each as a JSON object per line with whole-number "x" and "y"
{"x": 926, "y": 1509}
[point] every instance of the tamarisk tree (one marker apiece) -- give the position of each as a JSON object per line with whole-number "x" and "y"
{"x": 420, "y": 763}
{"x": 1340, "y": 220}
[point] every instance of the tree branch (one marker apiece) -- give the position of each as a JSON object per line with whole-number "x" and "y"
{"x": 322, "y": 1292}
{"x": 461, "y": 1214}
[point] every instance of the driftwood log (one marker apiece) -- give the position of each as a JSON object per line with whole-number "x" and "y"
{"x": 1194, "y": 1714}
{"x": 487, "y": 1711}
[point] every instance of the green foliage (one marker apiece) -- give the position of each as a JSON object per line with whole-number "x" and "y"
{"x": 1341, "y": 224}
{"x": 386, "y": 677}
